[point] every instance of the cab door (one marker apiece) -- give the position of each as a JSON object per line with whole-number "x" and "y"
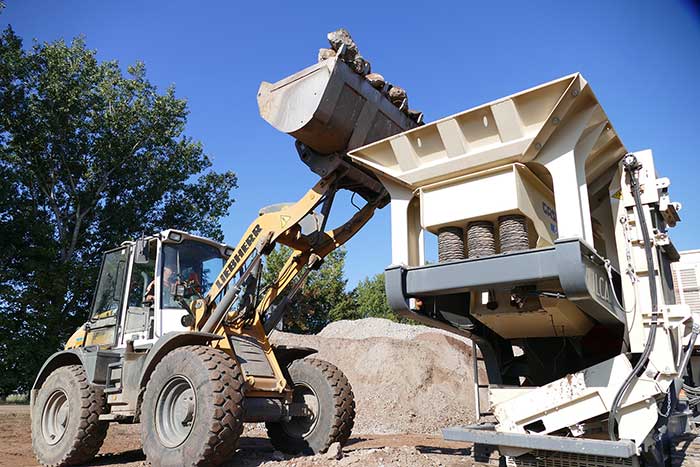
{"x": 139, "y": 315}
{"x": 108, "y": 299}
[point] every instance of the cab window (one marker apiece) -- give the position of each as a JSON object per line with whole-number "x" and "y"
{"x": 141, "y": 288}
{"x": 110, "y": 286}
{"x": 194, "y": 263}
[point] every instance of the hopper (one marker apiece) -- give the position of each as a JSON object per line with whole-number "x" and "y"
{"x": 516, "y": 128}
{"x": 546, "y": 153}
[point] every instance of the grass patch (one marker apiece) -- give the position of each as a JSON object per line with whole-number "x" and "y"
{"x": 17, "y": 399}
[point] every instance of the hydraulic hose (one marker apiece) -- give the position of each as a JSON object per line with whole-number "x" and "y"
{"x": 632, "y": 166}
{"x": 689, "y": 350}
{"x": 217, "y": 316}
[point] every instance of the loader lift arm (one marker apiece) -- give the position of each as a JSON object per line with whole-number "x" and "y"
{"x": 217, "y": 311}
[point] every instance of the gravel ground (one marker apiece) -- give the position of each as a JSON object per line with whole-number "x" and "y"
{"x": 378, "y": 327}
{"x": 122, "y": 448}
{"x": 408, "y": 381}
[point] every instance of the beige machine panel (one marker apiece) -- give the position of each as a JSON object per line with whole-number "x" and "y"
{"x": 468, "y": 198}
{"x": 543, "y": 317}
{"x": 515, "y": 128}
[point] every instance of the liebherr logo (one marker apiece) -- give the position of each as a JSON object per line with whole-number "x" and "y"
{"x": 237, "y": 255}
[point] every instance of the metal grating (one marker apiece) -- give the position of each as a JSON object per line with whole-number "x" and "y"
{"x": 251, "y": 356}
{"x": 687, "y": 285}
{"x": 564, "y": 459}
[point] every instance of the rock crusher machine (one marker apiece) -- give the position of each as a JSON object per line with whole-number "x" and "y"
{"x": 554, "y": 258}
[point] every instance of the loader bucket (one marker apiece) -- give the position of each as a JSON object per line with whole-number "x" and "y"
{"x": 330, "y": 108}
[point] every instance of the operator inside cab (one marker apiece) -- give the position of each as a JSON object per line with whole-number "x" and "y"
{"x": 142, "y": 283}
{"x": 187, "y": 264}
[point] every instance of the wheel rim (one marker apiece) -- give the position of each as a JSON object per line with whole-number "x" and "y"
{"x": 175, "y": 411}
{"x": 54, "y": 418}
{"x": 301, "y": 427}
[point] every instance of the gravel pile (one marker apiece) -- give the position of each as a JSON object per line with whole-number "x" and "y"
{"x": 379, "y": 327}
{"x": 406, "y": 379}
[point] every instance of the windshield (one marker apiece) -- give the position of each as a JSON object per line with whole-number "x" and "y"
{"x": 192, "y": 262}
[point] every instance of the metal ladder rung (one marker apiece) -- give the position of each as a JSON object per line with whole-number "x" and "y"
{"x": 478, "y": 386}
{"x": 110, "y": 385}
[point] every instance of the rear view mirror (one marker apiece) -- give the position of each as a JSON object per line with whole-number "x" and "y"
{"x": 141, "y": 251}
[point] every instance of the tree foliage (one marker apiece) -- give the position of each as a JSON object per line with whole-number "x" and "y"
{"x": 370, "y": 297}
{"x": 324, "y": 297}
{"x": 90, "y": 156}
{"x": 321, "y": 300}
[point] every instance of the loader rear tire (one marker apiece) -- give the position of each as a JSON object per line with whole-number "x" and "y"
{"x": 66, "y": 429}
{"x": 327, "y": 392}
{"x": 192, "y": 410}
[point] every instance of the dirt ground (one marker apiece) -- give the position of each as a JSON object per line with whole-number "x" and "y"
{"x": 406, "y": 379}
{"x": 122, "y": 448}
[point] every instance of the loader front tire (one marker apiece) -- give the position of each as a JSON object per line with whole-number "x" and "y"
{"x": 192, "y": 410}
{"x": 66, "y": 429}
{"x": 327, "y": 393}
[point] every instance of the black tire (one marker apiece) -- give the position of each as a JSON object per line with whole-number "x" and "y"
{"x": 335, "y": 403}
{"x": 196, "y": 426}
{"x": 66, "y": 429}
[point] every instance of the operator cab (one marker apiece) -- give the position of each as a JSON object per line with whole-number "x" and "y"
{"x": 139, "y": 295}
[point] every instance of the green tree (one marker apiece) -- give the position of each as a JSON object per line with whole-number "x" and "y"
{"x": 321, "y": 300}
{"x": 89, "y": 156}
{"x": 371, "y": 298}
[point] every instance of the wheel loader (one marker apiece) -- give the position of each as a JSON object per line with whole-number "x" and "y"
{"x": 177, "y": 338}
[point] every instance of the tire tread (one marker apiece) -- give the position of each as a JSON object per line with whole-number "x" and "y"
{"x": 226, "y": 425}
{"x": 343, "y": 409}
{"x": 91, "y": 431}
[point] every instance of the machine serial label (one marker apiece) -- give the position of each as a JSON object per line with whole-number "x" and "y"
{"x": 549, "y": 211}
{"x": 237, "y": 255}
{"x": 601, "y": 287}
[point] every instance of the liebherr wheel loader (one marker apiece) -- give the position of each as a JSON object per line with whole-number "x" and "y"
{"x": 178, "y": 336}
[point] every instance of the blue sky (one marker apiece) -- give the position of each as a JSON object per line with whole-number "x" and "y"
{"x": 642, "y": 59}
